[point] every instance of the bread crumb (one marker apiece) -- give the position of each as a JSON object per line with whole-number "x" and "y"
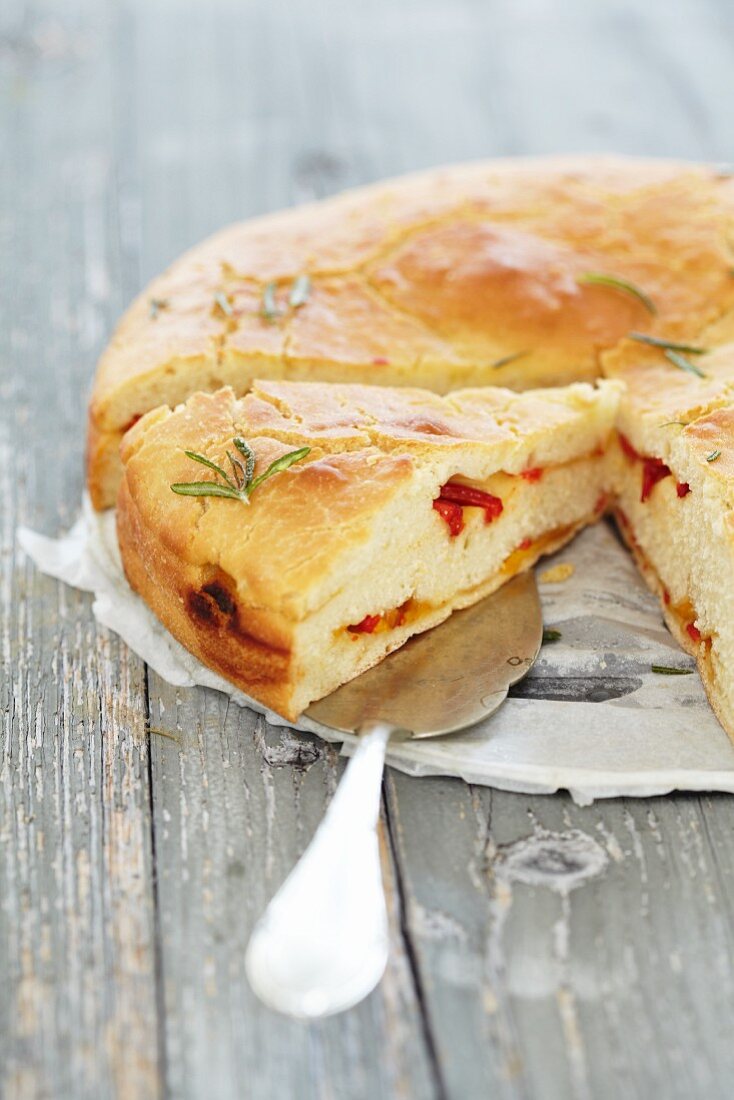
{"x": 557, "y": 573}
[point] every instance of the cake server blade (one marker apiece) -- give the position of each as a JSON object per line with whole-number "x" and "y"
{"x": 322, "y": 944}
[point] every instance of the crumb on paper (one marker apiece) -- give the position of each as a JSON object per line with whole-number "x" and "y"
{"x": 557, "y": 573}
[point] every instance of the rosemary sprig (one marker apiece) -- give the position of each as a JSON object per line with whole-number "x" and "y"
{"x": 668, "y": 345}
{"x": 224, "y": 303}
{"x": 682, "y": 363}
{"x": 269, "y": 306}
{"x": 550, "y": 635}
{"x": 666, "y": 670}
{"x": 713, "y": 456}
{"x": 155, "y": 305}
{"x": 241, "y": 485}
{"x": 598, "y": 278}
{"x": 300, "y": 292}
{"x": 512, "y": 358}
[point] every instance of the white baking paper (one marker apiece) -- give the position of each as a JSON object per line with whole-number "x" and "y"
{"x": 595, "y": 719}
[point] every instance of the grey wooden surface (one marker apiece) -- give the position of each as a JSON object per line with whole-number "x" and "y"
{"x": 540, "y": 950}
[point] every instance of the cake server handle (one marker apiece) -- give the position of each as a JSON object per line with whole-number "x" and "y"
{"x": 322, "y": 944}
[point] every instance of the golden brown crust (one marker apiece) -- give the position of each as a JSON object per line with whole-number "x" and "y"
{"x": 431, "y": 281}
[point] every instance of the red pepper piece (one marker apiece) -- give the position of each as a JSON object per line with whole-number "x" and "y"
{"x": 368, "y": 624}
{"x": 473, "y": 498}
{"x": 380, "y": 361}
{"x": 682, "y": 488}
{"x": 693, "y": 632}
{"x": 653, "y": 471}
{"x": 601, "y": 503}
{"x": 666, "y": 597}
{"x": 452, "y": 514}
{"x": 525, "y": 544}
{"x": 533, "y": 474}
{"x": 627, "y": 447}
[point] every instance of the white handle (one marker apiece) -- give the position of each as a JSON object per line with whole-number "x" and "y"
{"x": 322, "y": 944}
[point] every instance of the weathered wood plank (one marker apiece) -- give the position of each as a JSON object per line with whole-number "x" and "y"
{"x": 571, "y": 951}
{"x": 77, "y": 961}
{"x": 129, "y": 131}
{"x": 235, "y": 803}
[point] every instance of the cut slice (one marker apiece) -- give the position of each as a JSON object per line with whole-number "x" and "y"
{"x": 675, "y": 506}
{"x": 407, "y": 507}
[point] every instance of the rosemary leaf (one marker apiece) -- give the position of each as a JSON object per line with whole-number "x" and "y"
{"x": 550, "y": 635}
{"x": 207, "y": 489}
{"x": 665, "y": 670}
{"x": 224, "y": 303}
{"x": 503, "y": 362}
{"x": 269, "y": 306}
{"x": 597, "y": 278}
{"x": 669, "y": 345}
{"x": 300, "y": 292}
{"x": 155, "y": 306}
{"x": 212, "y": 465}
{"x": 243, "y": 487}
{"x": 280, "y": 464}
{"x": 238, "y": 468}
{"x": 682, "y": 363}
{"x": 249, "y": 455}
{"x": 713, "y": 456}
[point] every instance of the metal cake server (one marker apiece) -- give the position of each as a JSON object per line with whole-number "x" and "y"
{"x": 322, "y": 944}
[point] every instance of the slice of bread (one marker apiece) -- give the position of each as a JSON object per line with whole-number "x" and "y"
{"x": 407, "y": 506}
{"x": 675, "y": 504}
{"x": 465, "y": 276}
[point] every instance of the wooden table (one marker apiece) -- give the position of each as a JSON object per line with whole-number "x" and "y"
{"x": 540, "y": 950}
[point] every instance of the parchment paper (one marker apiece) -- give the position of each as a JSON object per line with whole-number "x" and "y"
{"x": 592, "y": 717}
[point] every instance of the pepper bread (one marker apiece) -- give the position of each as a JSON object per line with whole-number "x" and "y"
{"x": 517, "y": 273}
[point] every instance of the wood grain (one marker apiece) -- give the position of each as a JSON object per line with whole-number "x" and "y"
{"x": 77, "y": 965}
{"x": 540, "y": 950}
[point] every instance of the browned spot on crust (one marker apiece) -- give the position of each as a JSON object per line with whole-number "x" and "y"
{"x": 212, "y": 606}
{"x": 202, "y": 607}
{"x": 221, "y": 597}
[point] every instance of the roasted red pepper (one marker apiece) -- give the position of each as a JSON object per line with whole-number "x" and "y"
{"x": 473, "y": 498}
{"x": 453, "y": 498}
{"x": 693, "y": 632}
{"x": 534, "y": 474}
{"x": 653, "y": 471}
{"x": 452, "y": 513}
{"x": 525, "y": 544}
{"x": 367, "y": 625}
{"x": 627, "y": 447}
